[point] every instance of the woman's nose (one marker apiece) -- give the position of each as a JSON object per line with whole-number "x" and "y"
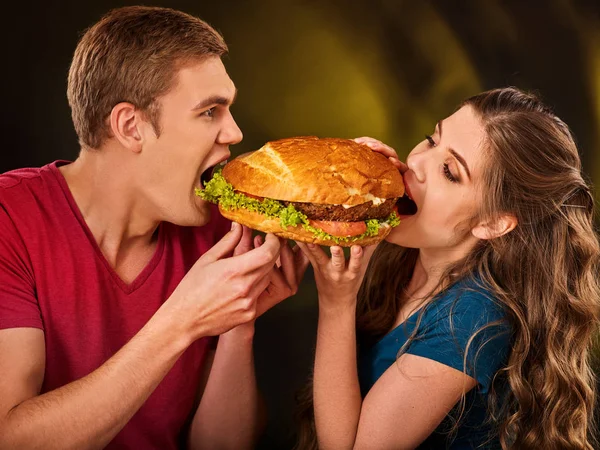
{"x": 415, "y": 163}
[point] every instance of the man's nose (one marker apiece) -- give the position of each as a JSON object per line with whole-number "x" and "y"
{"x": 231, "y": 133}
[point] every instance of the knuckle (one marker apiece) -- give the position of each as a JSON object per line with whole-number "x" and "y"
{"x": 263, "y": 258}
{"x": 242, "y": 290}
{"x": 286, "y": 292}
{"x": 247, "y": 304}
{"x": 228, "y": 273}
{"x": 250, "y": 315}
{"x": 270, "y": 255}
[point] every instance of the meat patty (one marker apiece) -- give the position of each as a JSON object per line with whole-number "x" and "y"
{"x": 356, "y": 213}
{"x": 364, "y": 211}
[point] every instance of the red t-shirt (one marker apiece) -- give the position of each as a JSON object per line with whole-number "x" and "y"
{"x": 53, "y": 276}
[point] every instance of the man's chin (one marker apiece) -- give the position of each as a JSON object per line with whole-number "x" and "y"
{"x": 198, "y": 215}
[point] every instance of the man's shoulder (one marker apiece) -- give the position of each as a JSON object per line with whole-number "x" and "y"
{"x": 27, "y": 179}
{"x": 15, "y": 177}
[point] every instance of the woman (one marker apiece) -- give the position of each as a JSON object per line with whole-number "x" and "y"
{"x": 475, "y": 319}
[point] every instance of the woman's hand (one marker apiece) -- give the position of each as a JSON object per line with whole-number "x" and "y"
{"x": 338, "y": 280}
{"x": 385, "y": 150}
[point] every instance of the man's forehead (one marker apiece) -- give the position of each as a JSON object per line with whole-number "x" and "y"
{"x": 208, "y": 78}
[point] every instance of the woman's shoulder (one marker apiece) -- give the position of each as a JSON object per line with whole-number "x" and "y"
{"x": 466, "y": 322}
{"x": 469, "y": 303}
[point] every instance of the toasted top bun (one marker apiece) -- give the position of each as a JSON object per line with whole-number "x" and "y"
{"x": 261, "y": 222}
{"x": 313, "y": 170}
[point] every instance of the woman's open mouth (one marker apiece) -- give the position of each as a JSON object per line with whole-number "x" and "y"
{"x": 406, "y": 207}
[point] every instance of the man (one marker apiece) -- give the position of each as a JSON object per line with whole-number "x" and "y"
{"x": 114, "y": 275}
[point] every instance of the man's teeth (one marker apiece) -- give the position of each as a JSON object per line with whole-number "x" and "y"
{"x": 222, "y": 163}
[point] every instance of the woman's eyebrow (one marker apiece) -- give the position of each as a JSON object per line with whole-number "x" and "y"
{"x": 454, "y": 153}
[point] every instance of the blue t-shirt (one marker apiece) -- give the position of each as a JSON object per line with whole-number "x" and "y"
{"x": 447, "y": 324}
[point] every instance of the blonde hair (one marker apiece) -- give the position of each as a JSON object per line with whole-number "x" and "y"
{"x": 132, "y": 55}
{"x": 544, "y": 274}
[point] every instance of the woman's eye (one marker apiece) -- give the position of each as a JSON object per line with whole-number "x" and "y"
{"x": 448, "y": 174}
{"x": 430, "y": 140}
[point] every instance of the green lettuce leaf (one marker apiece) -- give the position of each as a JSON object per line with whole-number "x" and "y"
{"x": 219, "y": 191}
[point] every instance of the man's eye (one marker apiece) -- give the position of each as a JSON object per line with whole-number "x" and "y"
{"x": 430, "y": 140}
{"x": 209, "y": 112}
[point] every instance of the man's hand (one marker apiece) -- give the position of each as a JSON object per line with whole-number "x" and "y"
{"x": 221, "y": 291}
{"x": 285, "y": 275}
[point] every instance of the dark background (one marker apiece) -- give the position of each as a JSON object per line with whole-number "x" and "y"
{"x": 382, "y": 68}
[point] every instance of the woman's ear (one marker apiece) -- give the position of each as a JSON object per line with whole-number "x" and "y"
{"x": 490, "y": 230}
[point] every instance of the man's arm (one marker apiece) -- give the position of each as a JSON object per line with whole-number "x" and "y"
{"x": 89, "y": 412}
{"x": 217, "y": 294}
{"x": 231, "y": 413}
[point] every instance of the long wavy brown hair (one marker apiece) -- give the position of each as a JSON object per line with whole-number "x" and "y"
{"x": 544, "y": 273}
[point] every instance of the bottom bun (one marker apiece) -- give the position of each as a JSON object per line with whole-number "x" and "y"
{"x": 266, "y": 224}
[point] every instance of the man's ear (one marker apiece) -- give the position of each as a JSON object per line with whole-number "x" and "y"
{"x": 125, "y": 122}
{"x": 490, "y": 230}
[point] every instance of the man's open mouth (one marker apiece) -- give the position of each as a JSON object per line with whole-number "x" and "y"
{"x": 206, "y": 176}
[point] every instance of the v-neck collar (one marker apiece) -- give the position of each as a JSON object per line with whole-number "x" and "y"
{"x": 146, "y": 271}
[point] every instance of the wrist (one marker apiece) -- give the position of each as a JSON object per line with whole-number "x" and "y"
{"x": 168, "y": 326}
{"x": 242, "y": 334}
{"x": 337, "y": 307}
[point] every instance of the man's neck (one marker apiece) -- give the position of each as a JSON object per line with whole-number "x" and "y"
{"x": 101, "y": 184}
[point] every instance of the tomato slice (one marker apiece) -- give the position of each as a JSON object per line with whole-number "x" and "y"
{"x": 341, "y": 229}
{"x": 251, "y": 196}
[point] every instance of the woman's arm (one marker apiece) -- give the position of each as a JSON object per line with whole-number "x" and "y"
{"x": 230, "y": 414}
{"x": 409, "y": 400}
{"x": 336, "y": 393}
{"x": 337, "y": 400}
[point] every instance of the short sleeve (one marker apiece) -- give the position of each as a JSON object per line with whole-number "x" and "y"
{"x": 468, "y": 324}
{"x": 18, "y": 302}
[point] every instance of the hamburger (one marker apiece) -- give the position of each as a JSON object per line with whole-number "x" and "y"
{"x": 322, "y": 191}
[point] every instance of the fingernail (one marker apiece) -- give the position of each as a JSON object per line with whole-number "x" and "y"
{"x": 311, "y": 245}
{"x": 356, "y": 250}
{"x": 234, "y": 226}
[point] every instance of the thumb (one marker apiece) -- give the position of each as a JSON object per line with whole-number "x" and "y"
{"x": 224, "y": 247}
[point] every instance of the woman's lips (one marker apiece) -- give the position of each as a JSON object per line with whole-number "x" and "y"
{"x": 407, "y": 188}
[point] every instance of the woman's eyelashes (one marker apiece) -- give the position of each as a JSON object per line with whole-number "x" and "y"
{"x": 448, "y": 174}
{"x": 446, "y": 166}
